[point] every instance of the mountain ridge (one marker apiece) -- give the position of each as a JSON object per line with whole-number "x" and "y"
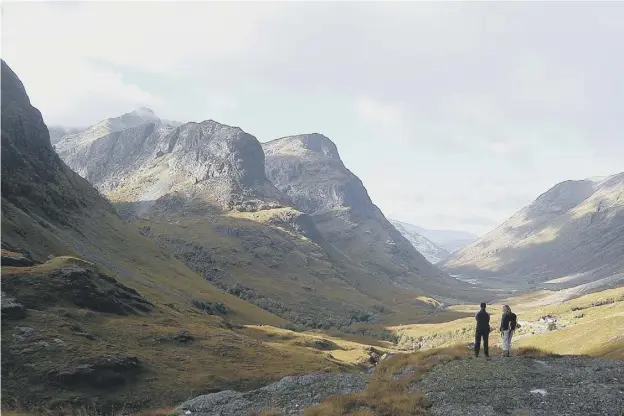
{"x": 574, "y": 228}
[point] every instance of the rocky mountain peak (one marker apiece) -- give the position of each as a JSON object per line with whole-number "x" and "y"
{"x": 210, "y": 149}
{"x": 138, "y": 158}
{"x": 308, "y": 168}
{"x": 142, "y": 115}
{"x": 311, "y": 145}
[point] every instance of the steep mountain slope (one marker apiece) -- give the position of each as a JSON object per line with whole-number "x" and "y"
{"x": 132, "y": 326}
{"x": 309, "y": 169}
{"x": 449, "y": 240}
{"x": 426, "y": 247}
{"x": 575, "y": 230}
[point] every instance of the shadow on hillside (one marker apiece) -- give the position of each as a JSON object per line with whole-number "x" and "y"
{"x": 563, "y": 255}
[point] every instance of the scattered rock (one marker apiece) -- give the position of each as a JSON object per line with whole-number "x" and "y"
{"x": 290, "y": 395}
{"x": 374, "y": 358}
{"x": 184, "y": 337}
{"x": 323, "y": 344}
{"x": 548, "y": 319}
{"x": 539, "y": 391}
{"x": 23, "y": 333}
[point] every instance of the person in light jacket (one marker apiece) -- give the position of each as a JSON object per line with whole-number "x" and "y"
{"x": 507, "y": 328}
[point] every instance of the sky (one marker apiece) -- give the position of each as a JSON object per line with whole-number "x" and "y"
{"x": 454, "y": 115}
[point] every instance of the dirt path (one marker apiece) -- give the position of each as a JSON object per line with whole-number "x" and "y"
{"x": 566, "y": 386}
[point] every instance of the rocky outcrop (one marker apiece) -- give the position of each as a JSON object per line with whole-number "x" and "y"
{"x": 574, "y": 231}
{"x": 76, "y": 283}
{"x": 290, "y": 396}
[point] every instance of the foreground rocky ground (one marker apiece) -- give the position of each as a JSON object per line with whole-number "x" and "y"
{"x": 518, "y": 386}
{"x": 290, "y": 395}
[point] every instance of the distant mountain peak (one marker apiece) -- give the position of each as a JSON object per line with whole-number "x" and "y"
{"x": 432, "y": 252}
{"x": 144, "y": 111}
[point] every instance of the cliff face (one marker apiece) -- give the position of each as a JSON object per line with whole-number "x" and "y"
{"x": 138, "y": 159}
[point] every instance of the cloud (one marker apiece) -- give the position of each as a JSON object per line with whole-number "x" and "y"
{"x": 450, "y": 103}
{"x": 374, "y": 111}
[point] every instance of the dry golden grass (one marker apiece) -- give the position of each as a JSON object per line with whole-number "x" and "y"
{"x": 387, "y": 397}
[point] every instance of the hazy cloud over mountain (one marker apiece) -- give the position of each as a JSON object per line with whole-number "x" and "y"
{"x": 454, "y": 115}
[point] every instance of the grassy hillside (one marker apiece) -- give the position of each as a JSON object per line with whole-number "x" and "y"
{"x": 601, "y": 314}
{"x": 266, "y": 258}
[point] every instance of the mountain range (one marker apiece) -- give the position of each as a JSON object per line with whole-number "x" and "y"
{"x": 284, "y": 225}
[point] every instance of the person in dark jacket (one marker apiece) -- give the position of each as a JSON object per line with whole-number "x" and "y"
{"x": 483, "y": 331}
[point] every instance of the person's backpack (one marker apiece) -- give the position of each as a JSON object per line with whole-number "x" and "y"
{"x": 513, "y": 321}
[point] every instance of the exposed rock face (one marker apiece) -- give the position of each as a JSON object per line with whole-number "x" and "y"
{"x": 427, "y": 248}
{"x": 309, "y": 169}
{"x": 574, "y": 229}
{"x": 74, "y": 282}
{"x": 137, "y": 158}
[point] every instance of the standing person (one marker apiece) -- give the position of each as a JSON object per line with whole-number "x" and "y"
{"x": 483, "y": 331}
{"x": 507, "y": 328}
